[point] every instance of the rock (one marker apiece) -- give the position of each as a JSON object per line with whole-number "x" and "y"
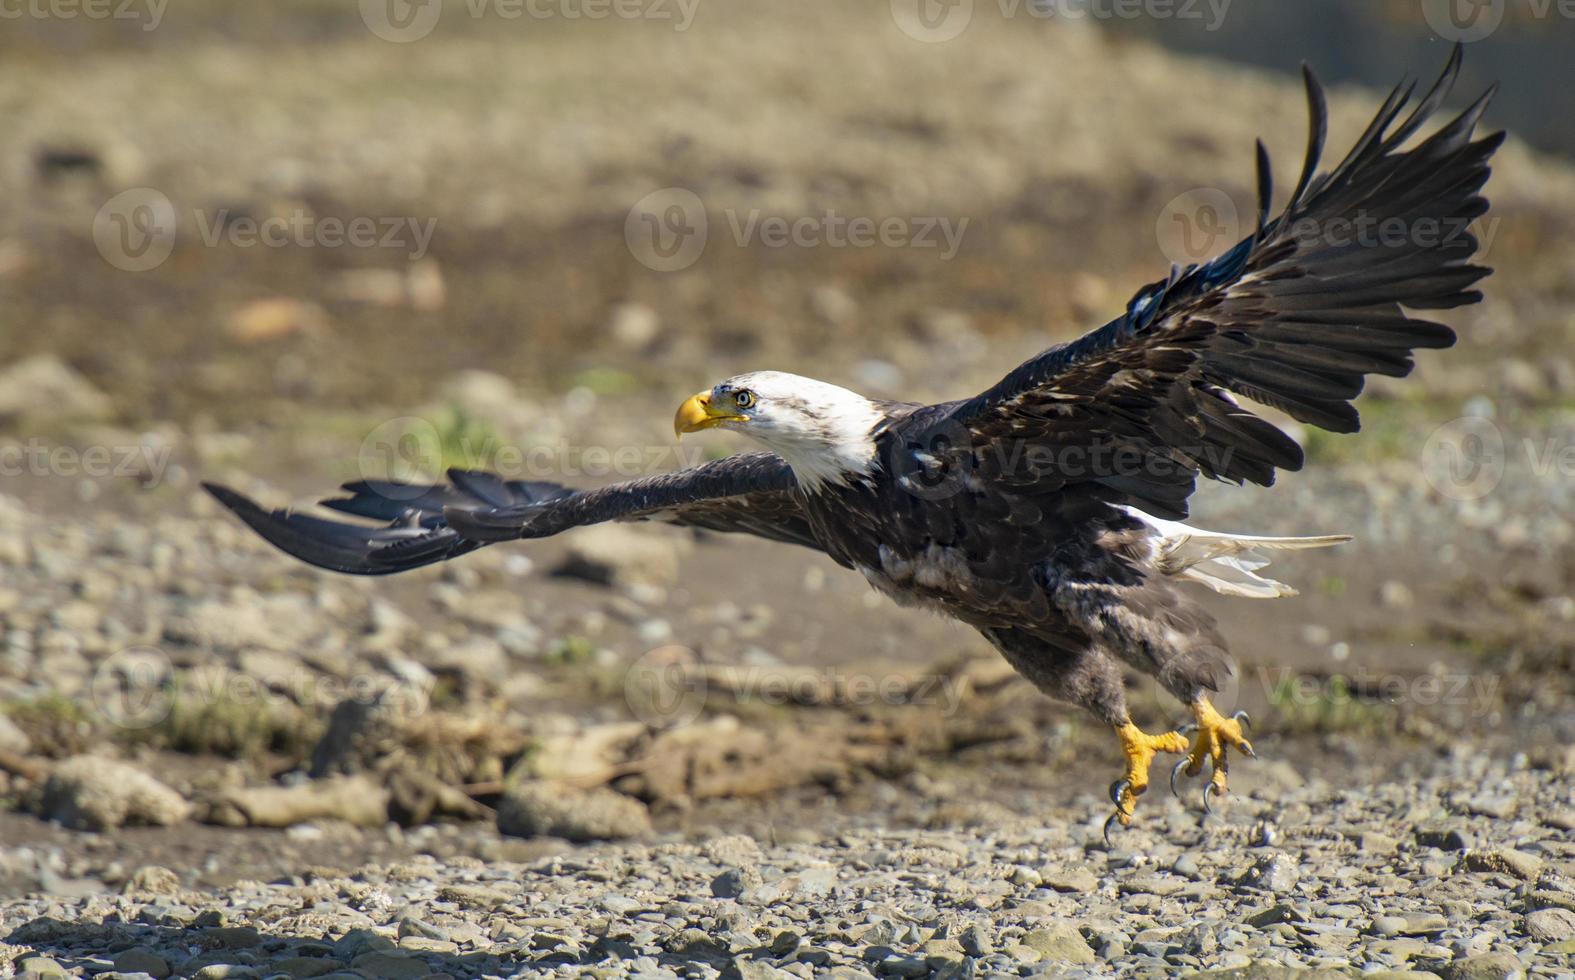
{"x": 273, "y": 318}
{"x": 1274, "y": 915}
{"x": 140, "y": 959}
{"x": 1060, "y": 943}
{"x": 734, "y": 849}
{"x": 1076, "y": 881}
{"x": 750, "y": 969}
{"x": 356, "y": 800}
{"x": 1550, "y": 925}
{"x": 40, "y": 968}
{"x": 150, "y": 879}
{"x": 365, "y": 730}
{"x": 390, "y": 966}
{"x": 1490, "y": 966}
{"x": 1377, "y": 843}
{"x": 978, "y": 939}
{"x": 533, "y": 808}
{"x": 613, "y": 554}
{"x": 302, "y": 967}
{"x": 634, "y": 326}
{"x": 45, "y": 387}
{"x": 89, "y": 792}
{"x": 1443, "y": 837}
{"x": 734, "y": 882}
{"x": 1423, "y": 924}
{"x": 1275, "y": 873}
{"x": 1389, "y": 925}
{"x": 1517, "y": 863}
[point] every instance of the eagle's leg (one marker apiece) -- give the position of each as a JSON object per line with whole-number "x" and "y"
{"x": 1215, "y": 735}
{"x": 1139, "y": 749}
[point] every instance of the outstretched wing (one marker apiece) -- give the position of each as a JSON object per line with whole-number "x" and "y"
{"x": 1294, "y": 317}
{"x": 751, "y": 493}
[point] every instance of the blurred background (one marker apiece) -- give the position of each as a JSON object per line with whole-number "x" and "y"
{"x": 289, "y": 244}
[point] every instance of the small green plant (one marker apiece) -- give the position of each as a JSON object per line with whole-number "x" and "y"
{"x": 1307, "y": 707}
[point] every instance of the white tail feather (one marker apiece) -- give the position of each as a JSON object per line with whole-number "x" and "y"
{"x": 1226, "y": 563}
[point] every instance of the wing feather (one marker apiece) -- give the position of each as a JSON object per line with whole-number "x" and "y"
{"x": 1294, "y": 317}
{"x": 752, "y": 493}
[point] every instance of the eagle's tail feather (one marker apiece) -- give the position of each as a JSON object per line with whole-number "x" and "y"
{"x": 1226, "y": 563}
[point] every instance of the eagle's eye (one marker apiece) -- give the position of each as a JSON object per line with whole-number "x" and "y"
{"x": 744, "y": 399}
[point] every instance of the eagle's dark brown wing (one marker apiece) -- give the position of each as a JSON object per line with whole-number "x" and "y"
{"x": 1294, "y": 317}
{"x": 752, "y": 493}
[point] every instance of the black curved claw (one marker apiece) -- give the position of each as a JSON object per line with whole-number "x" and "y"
{"x": 1188, "y": 728}
{"x": 1243, "y": 718}
{"x": 1117, "y": 788}
{"x": 1208, "y": 805}
{"x": 1175, "y": 771}
{"x": 1114, "y": 818}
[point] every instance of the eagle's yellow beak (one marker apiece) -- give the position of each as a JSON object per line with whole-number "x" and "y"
{"x": 698, "y": 413}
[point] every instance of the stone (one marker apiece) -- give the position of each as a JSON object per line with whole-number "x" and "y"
{"x": 1077, "y": 881}
{"x": 390, "y": 966}
{"x": 303, "y": 967}
{"x": 734, "y": 882}
{"x": 89, "y": 792}
{"x": 40, "y": 967}
{"x": 1275, "y": 873}
{"x": 1061, "y": 943}
{"x": 1550, "y": 925}
{"x": 1503, "y": 861}
{"x": 46, "y": 388}
{"x": 532, "y": 808}
{"x": 1490, "y": 966}
{"x": 150, "y": 879}
{"x": 614, "y": 554}
{"x": 140, "y": 959}
{"x": 1443, "y": 837}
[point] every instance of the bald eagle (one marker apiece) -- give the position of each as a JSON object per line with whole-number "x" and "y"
{"x": 1046, "y": 511}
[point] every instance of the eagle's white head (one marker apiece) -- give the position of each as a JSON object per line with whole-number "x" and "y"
{"x": 825, "y": 433}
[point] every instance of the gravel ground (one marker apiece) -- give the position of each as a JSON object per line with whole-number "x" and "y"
{"x": 1462, "y": 869}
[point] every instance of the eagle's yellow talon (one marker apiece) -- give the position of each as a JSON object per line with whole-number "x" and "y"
{"x": 1139, "y": 749}
{"x": 1215, "y": 735}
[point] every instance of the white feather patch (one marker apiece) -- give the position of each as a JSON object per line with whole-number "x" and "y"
{"x": 1226, "y": 563}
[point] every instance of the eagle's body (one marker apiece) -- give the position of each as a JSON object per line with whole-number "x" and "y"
{"x": 1045, "y": 511}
